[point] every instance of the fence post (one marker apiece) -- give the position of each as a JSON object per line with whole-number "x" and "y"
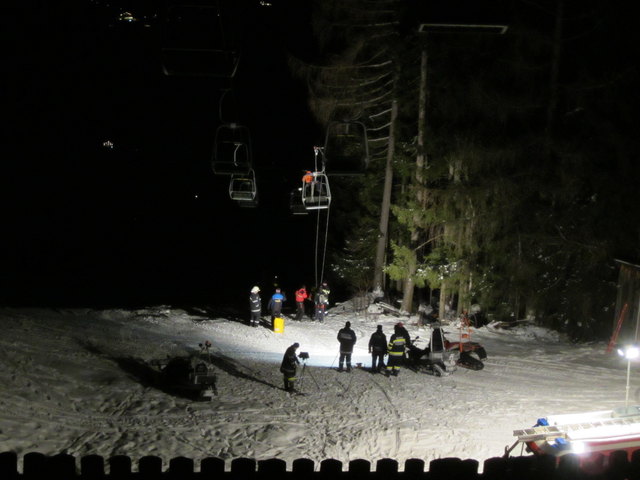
{"x": 494, "y": 468}
{"x": 243, "y": 468}
{"x": 150, "y": 467}
{"x": 92, "y": 467}
{"x": 469, "y": 469}
{"x": 180, "y": 468}
{"x": 569, "y": 467}
{"x": 331, "y": 469}
{"x": 634, "y": 465}
{"x": 519, "y": 468}
{"x": 120, "y": 467}
{"x": 302, "y": 468}
{"x": 544, "y": 466}
{"x": 34, "y": 465}
{"x": 212, "y": 468}
{"x": 272, "y": 468}
{"x": 359, "y": 469}
{"x": 386, "y": 468}
{"x": 61, "y": 466}
{"x": 413, "y": 468}
{"x": 445, "y": 468}
{"x": 618, "y": 465}
{"x": 9, "y": 465}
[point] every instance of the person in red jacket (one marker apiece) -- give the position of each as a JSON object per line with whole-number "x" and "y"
{"x": 301, "y": 296}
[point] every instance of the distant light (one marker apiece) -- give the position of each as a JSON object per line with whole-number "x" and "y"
{"x": 195, "y": 196}
{"x": 127, "y": 17}
{"x": 108, "y": 144}
{"x": 263, "y": 3}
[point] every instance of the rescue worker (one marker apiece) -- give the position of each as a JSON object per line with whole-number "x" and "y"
{"x": 255, "y": 306}
{"x": 377, "y": 349}
{"x": 395, "y": 349}
{"x": 407, "y": 338}
{"x": 275, "y": 304}
{"x": 301, "y": 296}
{"x": 307, "y": 177}
{"x": 322, "y": 301}
{"x": 288, "y": 367}
{"x": 347, "y": 339}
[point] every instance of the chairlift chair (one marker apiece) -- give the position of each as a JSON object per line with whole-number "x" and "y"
{"x": 232, "y": 150}
{"x": 316, "y": 193}
{"x": 346, "y": 148}
{"x": 242, "y": 188}
{"x": 295, "y": 202}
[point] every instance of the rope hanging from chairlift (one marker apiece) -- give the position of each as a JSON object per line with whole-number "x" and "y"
{"x": 326, "y": 232}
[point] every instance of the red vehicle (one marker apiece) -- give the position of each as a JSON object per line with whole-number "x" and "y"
{"x": 591, "y": 435}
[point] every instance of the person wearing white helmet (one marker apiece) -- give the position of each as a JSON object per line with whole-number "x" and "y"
{"x": 255, "y": 305}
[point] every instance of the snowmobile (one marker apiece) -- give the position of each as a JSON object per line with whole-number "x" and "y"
{"x": 435, "y": 358}
{"x": 187, "y": 375}
{"x": 471, "y": 354}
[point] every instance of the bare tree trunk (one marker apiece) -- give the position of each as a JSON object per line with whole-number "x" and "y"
{"x": 421, "y": 160}
{"x": 443, "y": 299}
{"x": 386, "y": 204}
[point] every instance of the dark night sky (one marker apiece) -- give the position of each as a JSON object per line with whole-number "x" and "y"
{"x": 147, "y": 221}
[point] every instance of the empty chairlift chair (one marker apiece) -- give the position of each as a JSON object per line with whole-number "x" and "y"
{"x": 196, "y": 39}
{"x": 232, "y": 150}
{"x": 242, "y": 188}
{"x": 316, "y": 193}
{"x": 346, "y": 148}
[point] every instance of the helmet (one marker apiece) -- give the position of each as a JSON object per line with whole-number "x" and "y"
{"x": 255, "y": 290}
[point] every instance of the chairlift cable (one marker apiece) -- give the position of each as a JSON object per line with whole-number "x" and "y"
{"x": 326, "y": 237}
{"x": 316, "y": 251}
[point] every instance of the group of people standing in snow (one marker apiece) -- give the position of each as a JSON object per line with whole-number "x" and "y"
{"x": 378, "y": 347}
{"x": 278, "y": 298}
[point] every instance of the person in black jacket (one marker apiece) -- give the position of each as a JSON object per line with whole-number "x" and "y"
{"x": 377, "y": 349}
{"x": 289, "y": 366}
{"x": 347, "y": 339}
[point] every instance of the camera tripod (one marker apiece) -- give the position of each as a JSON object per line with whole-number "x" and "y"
{"x": 304, "y": 367}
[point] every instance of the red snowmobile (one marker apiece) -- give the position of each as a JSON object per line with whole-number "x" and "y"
{"x": 435, "y": 358}
{"x": 441, "y": 356}
{"x": 471, "y": 353}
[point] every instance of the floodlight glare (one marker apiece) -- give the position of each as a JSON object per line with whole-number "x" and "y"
{"x": 630, "y": 352}
{"x": 578, "y": 447}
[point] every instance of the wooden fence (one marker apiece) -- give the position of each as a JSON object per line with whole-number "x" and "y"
{"x": 36, "y": 466}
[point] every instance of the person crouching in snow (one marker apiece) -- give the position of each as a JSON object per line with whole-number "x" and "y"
{"x": 395, "y": 349}
{"x": 347, "y": 339}
{"x": 288, "y": 367}
{"x": 255, "y": 306}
